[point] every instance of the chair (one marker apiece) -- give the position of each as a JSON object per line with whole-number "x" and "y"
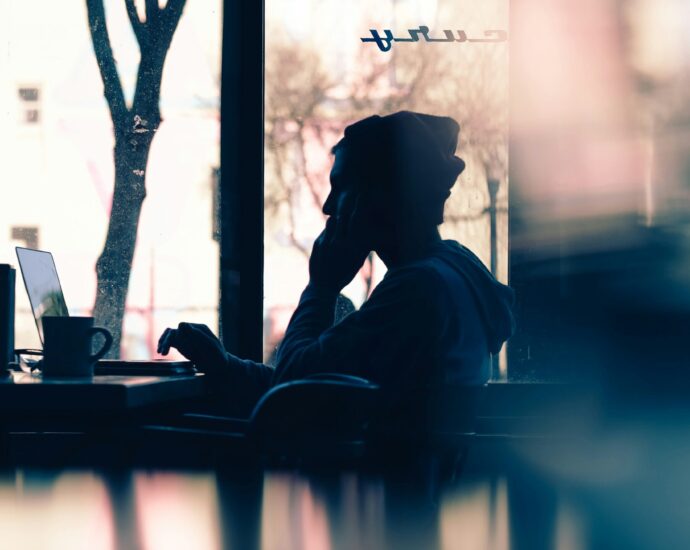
{"x": 336, "y": 419}
{"x": 320, "y": 419}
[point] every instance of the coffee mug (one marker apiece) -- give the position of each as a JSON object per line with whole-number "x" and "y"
{"x": 67, "y": 346}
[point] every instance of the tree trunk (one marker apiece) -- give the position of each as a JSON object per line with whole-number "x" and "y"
{"x": 134, "y": 130}
{"x": 114, "y": 265}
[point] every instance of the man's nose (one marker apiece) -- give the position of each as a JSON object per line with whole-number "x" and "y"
{"x": 328, "y": 205}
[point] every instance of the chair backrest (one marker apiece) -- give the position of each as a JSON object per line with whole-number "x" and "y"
{"x": 322, "y": 415}
{"x": 333, "y": 415}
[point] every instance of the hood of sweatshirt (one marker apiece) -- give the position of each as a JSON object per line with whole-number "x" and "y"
{"x": 494, "y": 299}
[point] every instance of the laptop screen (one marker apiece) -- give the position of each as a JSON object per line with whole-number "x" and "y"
{"x": 42, "y": 285}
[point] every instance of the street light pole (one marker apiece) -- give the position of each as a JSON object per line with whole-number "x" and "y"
{"x": 493, "y": 185}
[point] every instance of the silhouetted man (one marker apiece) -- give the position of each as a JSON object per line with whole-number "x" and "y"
{"x": 438, "y": 313}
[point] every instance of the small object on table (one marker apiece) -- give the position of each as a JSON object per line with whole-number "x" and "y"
{"x": 28, "y": 360}
{"x": 67, "y": 347}
{"x": 7, "y": 276}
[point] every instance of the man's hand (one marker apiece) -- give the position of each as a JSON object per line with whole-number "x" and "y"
{"x": 197, "y": 343}
{"x": 335, "y": 258}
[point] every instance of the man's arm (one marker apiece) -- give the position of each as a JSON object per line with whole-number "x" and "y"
{"x": 392, "y": 332}
{"x": 240, "y": 382}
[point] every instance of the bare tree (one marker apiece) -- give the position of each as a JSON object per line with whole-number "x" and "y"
{"x": 296, "y": 85}
{"x": 134, "y": 128}
{"x": 304, "y": 102}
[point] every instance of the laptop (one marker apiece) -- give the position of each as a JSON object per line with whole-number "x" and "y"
{"x": 47, "y": 299}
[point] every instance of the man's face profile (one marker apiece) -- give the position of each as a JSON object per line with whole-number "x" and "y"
{"x": 341, "y": 200}
{"x": 348, "y": 203}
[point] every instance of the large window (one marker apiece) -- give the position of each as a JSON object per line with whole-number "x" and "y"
{"x": 598, "y": 149}
{"x": 57, "y": 169}
{"x": 320, "y": 77}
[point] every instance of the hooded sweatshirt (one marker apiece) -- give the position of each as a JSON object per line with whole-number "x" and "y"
{"x": 436, "y": 319}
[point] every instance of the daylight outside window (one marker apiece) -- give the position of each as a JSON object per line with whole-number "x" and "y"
{"x": 57, "y": 168}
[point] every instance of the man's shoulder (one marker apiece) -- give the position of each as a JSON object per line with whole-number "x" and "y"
{"x": 438, "y": 274}
{"x": 421, "y": 271}
{"x": 432, "y": 269}
{"x": 421, "y": 279}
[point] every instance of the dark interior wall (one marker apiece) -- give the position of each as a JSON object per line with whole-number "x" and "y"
{"x": 602, "y": 292}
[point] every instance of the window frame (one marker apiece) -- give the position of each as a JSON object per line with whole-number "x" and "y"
{"x": 242, "y": 178}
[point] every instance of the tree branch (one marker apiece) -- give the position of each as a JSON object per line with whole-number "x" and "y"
{"x": 139, "y": 28}
{"x": 173, "y": 12}
{"x": 170, "y": 17}
{"x": 161, "y": 29}
{"x": 289, "y": 202}
{"x": 152, "y": 11}
{"x": 301, "y": 147}
{"x": 112, "y": 88}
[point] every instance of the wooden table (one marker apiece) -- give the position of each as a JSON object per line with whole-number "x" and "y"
{"x": 22, "y": 392}
{"x": 87, "y": 421}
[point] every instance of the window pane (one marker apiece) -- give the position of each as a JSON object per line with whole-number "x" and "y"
{"x": 320, "y": 77}
{"x": 57, "y": 169}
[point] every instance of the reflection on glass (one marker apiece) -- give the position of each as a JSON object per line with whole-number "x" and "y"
{"x": 51, "y": 510}
{"x": 475, "y": 517}
{"x": 293, "y": 516}
{"x": 177, "y": 512}
{"x": 152, "y": 510}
